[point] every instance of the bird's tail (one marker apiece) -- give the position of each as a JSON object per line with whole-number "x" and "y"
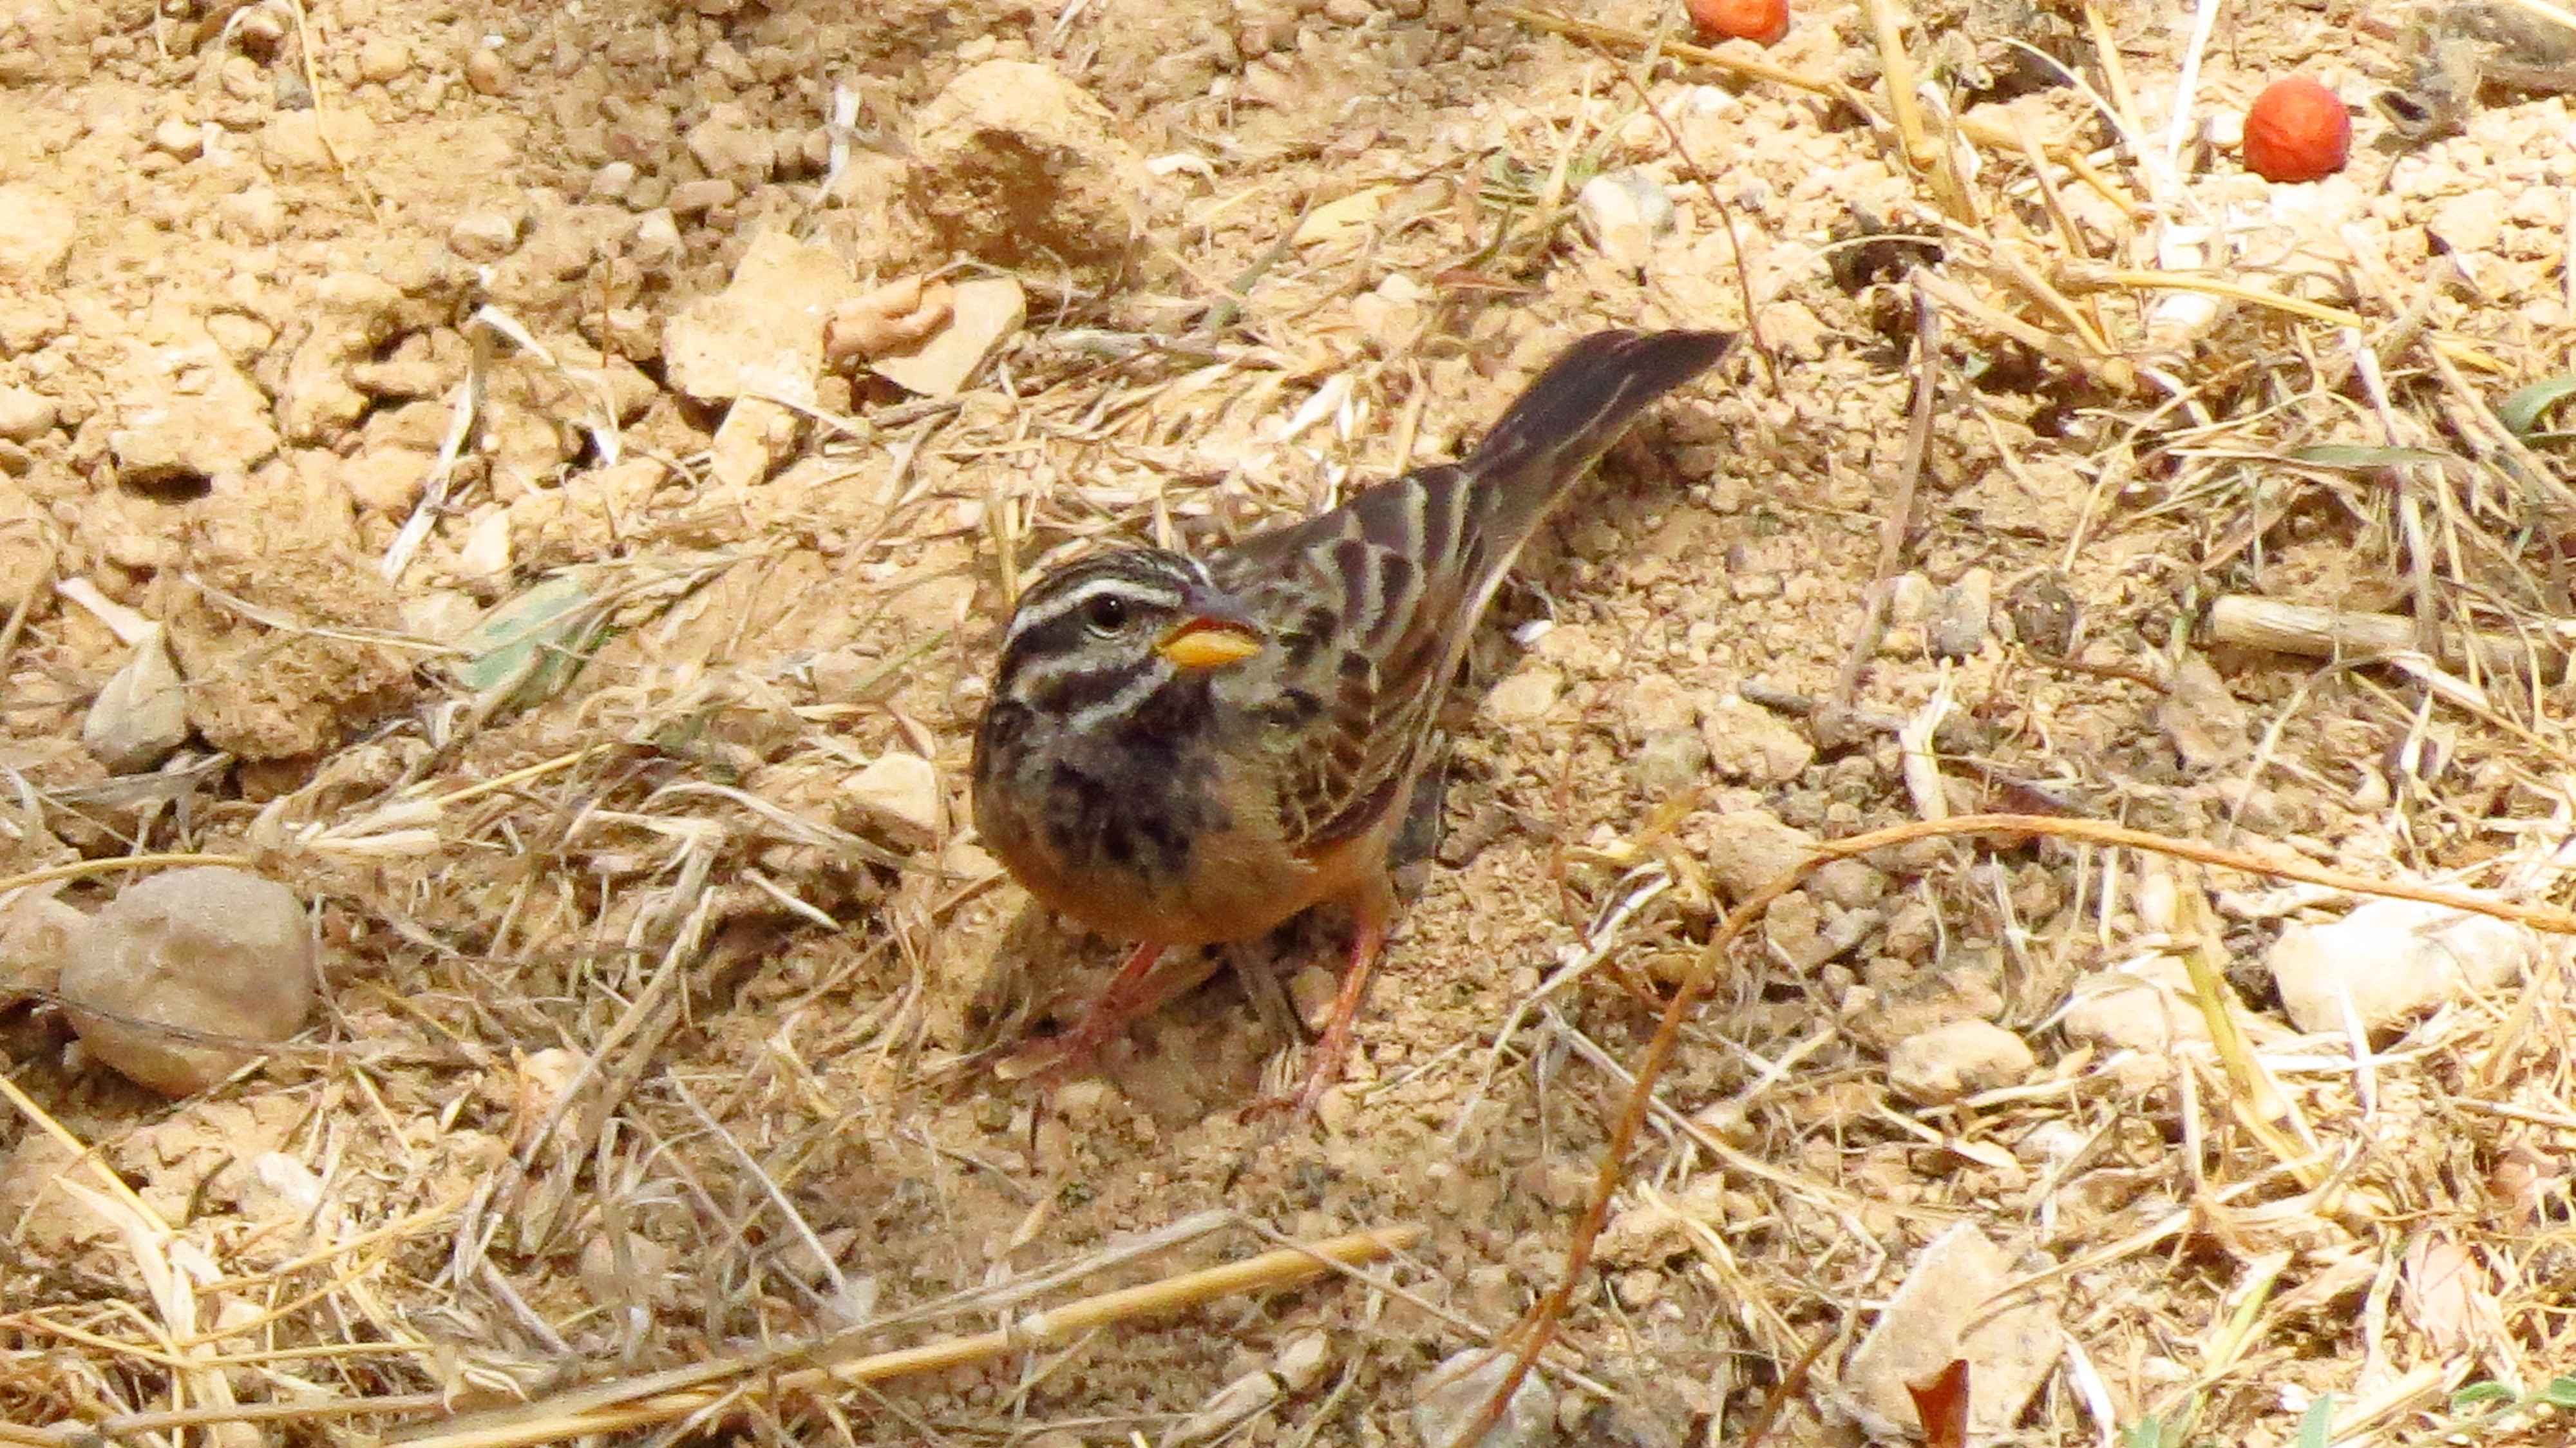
{"x": 1563, "y": 421}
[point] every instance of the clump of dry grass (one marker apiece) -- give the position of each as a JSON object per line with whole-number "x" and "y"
{"x": 2309, "y": 1178}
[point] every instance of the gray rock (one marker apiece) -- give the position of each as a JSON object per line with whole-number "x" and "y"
{"x": 1754, "y": 847}
{"x": 141, "y": 717}
{"x": 1018, "y": 166}
{"x": 1956, "y": 1060}
{"x": 26, "y": 415}
{"x": 2393, "y": 960}
{"x": 185, "y": 976}
{"x": 36, "y": 229}
{"x": 1448, "y": 1399}
{"x": 1961, "y": 615}
{"x": 1942, "y": 1314}
{"x": 763, "y": 334}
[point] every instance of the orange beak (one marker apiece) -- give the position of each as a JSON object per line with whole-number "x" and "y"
{"x": 1209, "y": 643}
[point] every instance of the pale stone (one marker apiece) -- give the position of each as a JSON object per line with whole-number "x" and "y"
{"x": 217, "y": 953}
{"x": 902, "y": 790}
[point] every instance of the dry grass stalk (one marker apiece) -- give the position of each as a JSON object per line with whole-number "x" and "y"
{"x": 1540, "y": 1326}
{"x": 831, "y": 1366}
{"x": 2330, "y": 633}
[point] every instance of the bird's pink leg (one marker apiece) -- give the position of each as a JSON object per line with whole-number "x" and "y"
{"x": 1075, "y": 1049}
{"x": 1333, "y": 1048}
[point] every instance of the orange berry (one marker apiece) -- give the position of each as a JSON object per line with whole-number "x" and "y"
{"x": 1763, "y": 21}
{"x": 2297, "y": 131}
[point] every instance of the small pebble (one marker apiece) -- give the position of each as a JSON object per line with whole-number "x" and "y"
{"x": 1525, "y": 697}
{"x": 901, "y": 790}
{"x": 1850, "y": 884}
{"x": 259, "y": 29}
{"x": 1669, "y": 761}
{"x": 1624, "y": 211}
{"x": 36, "y": 933}
{"x": 1952, "y": 1305}
{"x": 384, "y": 60}
{"x": 610, "y": 183}
{"x": 690, "y": 198}
{"x": 487, "y": 72}
{"x": 140, "y": 716}
{"x": 257, "y": 214}
{"x": 484, "y": 556}
{"x": 1960, "y": 1059}
{"x": 178, "y": 138}
{"x": 2144, "y": 1008}
{"x": 484, "y": 236}
{"x": 1749, "y": 742}
{"x": 242, "y": 79}
{"x": 1750, "y": 848}
{"x": 656, "y": 239}
{"x": 1961, "y": 615}
{"x": 26, "y": 415}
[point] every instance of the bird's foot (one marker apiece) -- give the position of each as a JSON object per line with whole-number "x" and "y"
{"x": 1074, "y": 1052}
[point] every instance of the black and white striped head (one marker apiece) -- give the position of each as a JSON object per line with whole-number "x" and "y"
{"x": 1097, "y": 638}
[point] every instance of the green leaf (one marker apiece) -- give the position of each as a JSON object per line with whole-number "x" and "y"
{"x": 2316, "y": 1423}
{"x": 2522, "y": 411}
{"x": 2561, "y": 1393}
{"x": 2358, "y": 456}
{"x": 533, "y": 644}
{"x": 2478, "y": 1394}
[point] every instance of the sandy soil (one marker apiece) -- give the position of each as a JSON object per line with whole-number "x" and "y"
{"x": 660, "y": 1012}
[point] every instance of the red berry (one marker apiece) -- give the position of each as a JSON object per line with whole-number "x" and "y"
{"x": 1763, "y": 21}
{"x": 2297, "y": 131}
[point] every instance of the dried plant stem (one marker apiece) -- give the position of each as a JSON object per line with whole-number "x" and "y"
{"x": 111, "y": 864}
{"x": 2324, "y": 633}
{"x": 2078, "y": 279}
{"x": 2115, "y": 76}
{"x": 665, "y": 1398}
{"x": 2540, "y": 9}
{"x": 1898, "y": 525}
{"x": 1749, "y": 67}
{"x": 1977, "y": 129}
{"x": 1925, "y": 153}
{"x": 1536, "y": 1330}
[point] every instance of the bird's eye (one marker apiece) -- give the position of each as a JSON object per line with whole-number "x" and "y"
{"x": 1107, "y": 614}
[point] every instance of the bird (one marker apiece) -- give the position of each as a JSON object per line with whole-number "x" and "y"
{"x": 1182, "y": 750}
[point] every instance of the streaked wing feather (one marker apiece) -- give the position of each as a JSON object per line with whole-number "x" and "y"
{"x": 1401, "y": 572}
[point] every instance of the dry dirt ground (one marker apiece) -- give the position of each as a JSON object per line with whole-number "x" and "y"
{"x": 653, "y": 1039}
